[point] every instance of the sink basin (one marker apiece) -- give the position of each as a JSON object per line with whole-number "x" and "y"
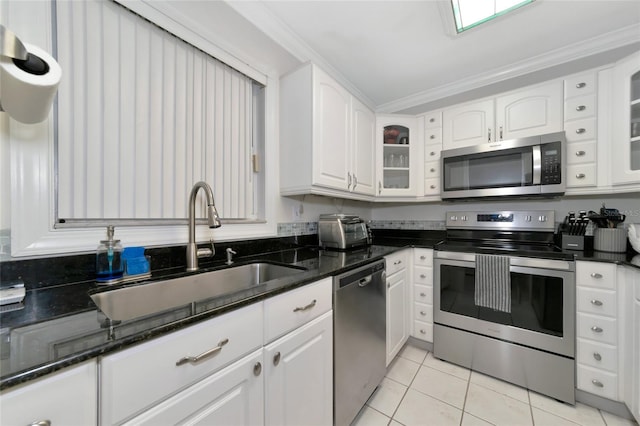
{"x": 145, "y": 299}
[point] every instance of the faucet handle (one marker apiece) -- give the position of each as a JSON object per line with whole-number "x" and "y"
{"x": 230, "y": 254}
{"x": 207, "y": 252}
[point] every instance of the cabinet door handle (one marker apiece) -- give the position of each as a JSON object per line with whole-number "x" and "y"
{"x": 355, "y": 182}
{"x": 305, "y": 308}
{"x": 423, "y": 313}
{"x": 432, "y": 187}
{"x": 349, "y": 181}
{"x": 596, "y": 329}
{"x": 580, "y": 176}
{"x": 41, "y": 423}
{"x": 580, "y": 153}
{"x": 379, "y": 187}
{"x": 597, "y": 356}
{"x": 596, "y": 275}
{"x": 580, "y": 131}
{"x": 423, "y": 276}
{"x": 597, "y": 383}
{"x": 581, "y": 108}
{"x": 276, "y": 358}
{"x": 432, "y": 170}
{"x": 581, "y": 85}
{"x": 596, "y": 302}
{"x": 432, "y": 137}
{"x": 489, "y": 136}
{"x": 432, "y": 153}
{"x": 423, "y": 257}
{"x": 500, "y": 132}
{"x": 423, "y": 331}
{"x": 432, "y": 120}
{"x": 423, "y": 295}
{"x": 204, "y": 355}
{"x": 257, "y": 369}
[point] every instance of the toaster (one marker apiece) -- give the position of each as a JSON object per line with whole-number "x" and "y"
{"x": 342, "y": 231}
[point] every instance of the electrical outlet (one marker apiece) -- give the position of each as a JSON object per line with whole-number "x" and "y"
{"x": 296, "y": 212}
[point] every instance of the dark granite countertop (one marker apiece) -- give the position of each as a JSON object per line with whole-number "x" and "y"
{"x": 60, "y": 326}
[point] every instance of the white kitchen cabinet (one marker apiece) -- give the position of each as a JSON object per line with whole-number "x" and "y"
{"x": 398, "y": 144}
{"x": 398, "y": 310}
{"x": 233, "y": 396}
{"x": 580, "y": 125}
{"x": 299, "y": 375}
{"x": 525, "y": 112}
{"x": 599, "y": 343}
{"x": 326, "y": 137}
{"x": 66, "y": 397}
{"x": 625, "y": 149}
{"x": 422, "y": 295}
{"x": 432, "y": 149}
{"x": 632, "y": 339}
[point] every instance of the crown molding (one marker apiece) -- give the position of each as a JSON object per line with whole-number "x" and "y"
{"x": 259, "y": 14}
{"x": 612, "y": 40}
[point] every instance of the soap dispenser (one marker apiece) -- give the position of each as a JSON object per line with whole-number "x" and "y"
{"x": 109, "y": 267}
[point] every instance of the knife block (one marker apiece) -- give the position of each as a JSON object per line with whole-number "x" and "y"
{"x": 577, "y": 242}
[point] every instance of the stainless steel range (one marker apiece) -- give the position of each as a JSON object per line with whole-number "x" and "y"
{"x": 504, "y": 300}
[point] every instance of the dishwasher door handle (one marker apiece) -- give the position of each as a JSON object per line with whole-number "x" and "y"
{"x": 365, "y": 281}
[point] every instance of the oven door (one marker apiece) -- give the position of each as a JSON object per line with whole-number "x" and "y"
{"x": 542, "y": 302}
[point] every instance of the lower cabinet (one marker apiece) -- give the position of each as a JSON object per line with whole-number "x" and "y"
{"x": 299, "y": 376}
{"x": 46, "y": 401}
{"x": 422, "y": 295}
{"x": 632, "y": 339}
{"x": 396, "y": 266}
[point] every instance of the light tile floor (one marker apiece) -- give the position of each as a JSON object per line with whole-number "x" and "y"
{"x": 422, "y": 390}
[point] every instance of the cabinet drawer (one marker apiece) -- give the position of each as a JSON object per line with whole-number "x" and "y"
{"x": 137, "y": 378}
{"x": 580, "y": 130}
{"x": 433, "y": 136}
{"x": 422, "y": 257}
{"x": 580, "y": 85}
{"x": 596, "y": 301}
{"x": 423, "y": 312}
{"x": 581, "y": 175}
{"x": 423, "y": 330}
{"x": 580, "y": 107}
{"x": 290, "y": 310}
{"x": 432, "y": 186}
{"x": 597, "y": 382}
{"x": 423, "y": 275}
{"x": 597, "y": 355}
{"x": 581, "y": 152}
{"x": 600, "y": 329}
{"x": 395, "y": 262}
{"x": 433, "y": 119}
{"x": 423, "y": 294}
{"x": 432, "y": 170}
{"x": 596, "y": 274}
{"x": 432, "y": 153}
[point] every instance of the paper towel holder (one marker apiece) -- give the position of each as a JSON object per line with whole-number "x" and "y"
{"x": 12, "y": 47}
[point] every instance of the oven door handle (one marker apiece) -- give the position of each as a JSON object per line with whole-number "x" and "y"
{"x": 529, "y": 262}
{"x": 537, "y": 164}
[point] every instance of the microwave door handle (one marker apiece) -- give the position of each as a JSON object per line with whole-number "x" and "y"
{"x": 537, "y": 164}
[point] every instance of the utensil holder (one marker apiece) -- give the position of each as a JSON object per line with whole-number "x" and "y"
{"x": 613, "y": 240}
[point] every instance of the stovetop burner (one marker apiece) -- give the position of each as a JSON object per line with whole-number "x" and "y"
{"x": 515, "y": 233}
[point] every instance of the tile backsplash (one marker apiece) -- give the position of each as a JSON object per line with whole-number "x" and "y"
{"x": 436, "y": 225}
{"x": 293, "y": 229}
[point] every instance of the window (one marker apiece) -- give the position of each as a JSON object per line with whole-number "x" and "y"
{"x": 142, "y": 116}
{"x": 471, "y": 13}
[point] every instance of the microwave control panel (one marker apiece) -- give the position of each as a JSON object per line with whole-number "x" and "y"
{"x": 551, "y": 157}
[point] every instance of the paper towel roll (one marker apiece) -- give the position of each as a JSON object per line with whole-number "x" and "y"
{"x": 28, "y": 97}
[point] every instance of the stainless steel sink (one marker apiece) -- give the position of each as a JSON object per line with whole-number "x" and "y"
{"x": 145, "y": 299}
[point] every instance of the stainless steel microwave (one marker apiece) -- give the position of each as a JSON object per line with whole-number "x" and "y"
{"x": 528, "y": 167}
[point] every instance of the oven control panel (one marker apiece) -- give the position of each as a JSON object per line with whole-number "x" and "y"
{"x": 538, "y": 220}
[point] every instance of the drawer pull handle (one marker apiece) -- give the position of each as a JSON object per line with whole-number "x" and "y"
{"x": 423, "y": 294}
{"x": 304, "y": 308}
{"x": 423, "y": 313}
{"x": 203, "y": 355}
{"x": 423, "y": 257}
{"x": 432, "y": 170}
{"x": 432, "y": 120}
{"x": 597, "y": 383}
{"x": 398, "y": 262}
{"x": 257, "y": 369}
{"x": 423, "y": 276}
{"x": 580, "y": 153}
{"x": 580, "y": 176}
{"x": 581, "y": 85}
{"x": 596, "y": 275}
{"x": 432, "y": 153}
{"x": 581, "y": 130}
{"x": 596, "y": 302}
{"x": 433, "y": 187}
{"x": 581, "y": 108}
{"x": 422, "y": 331}
{"x": 597, "y": 356}
{"x": 432, "y": 137}
{"x": 276, "y": 358}
{"x": 596, "y": 329}
{"x": 41, "y": 423}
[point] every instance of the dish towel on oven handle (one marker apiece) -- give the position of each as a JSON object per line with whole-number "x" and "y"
{"x": 493, "y": 282}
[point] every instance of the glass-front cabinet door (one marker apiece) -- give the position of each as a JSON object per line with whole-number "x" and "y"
{"x": 397, "y": 141}
{"x": 626, "y": 116}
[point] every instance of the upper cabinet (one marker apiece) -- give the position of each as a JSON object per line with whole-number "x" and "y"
{"x": 530, "y": 111}
{"x": 626, "y": 121}
{"x": 326, "y": 137}
{"x": 397, "y": 153}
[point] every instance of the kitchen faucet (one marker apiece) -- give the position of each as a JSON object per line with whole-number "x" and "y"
{"x": 193, "y": 253}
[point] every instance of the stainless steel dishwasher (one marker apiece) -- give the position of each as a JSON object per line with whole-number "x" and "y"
{"x": 359, "y": 338}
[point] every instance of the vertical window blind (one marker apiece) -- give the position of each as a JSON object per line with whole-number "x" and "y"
{"x": 142, "y": 116}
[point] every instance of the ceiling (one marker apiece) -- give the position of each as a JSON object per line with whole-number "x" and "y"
{"x": 398, "y": 56}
